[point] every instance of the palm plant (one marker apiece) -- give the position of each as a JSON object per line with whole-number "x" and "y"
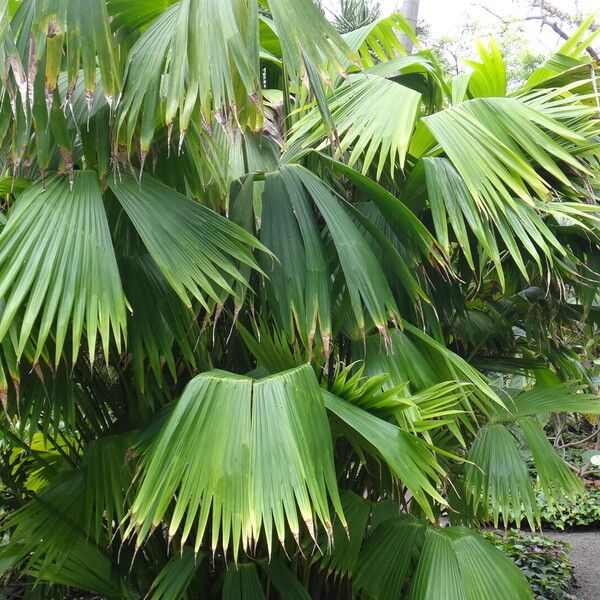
{"x": 354, "y": 14}
{"x": 281, "y": 307}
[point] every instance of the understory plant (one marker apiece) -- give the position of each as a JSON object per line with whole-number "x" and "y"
{"x": 571, "y": 515}
{"x": 545, "y": 562}
{"x": 277, "y": 302}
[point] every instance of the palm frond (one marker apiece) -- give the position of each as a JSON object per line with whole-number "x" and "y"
{"x": 498, "y": 480}
{"x": 176, "y": 576}
{"x": 242, "y": 583}
{"x": 388, "y": 555}
{"x": 555, "y": 479}
{"x": 490, "y": 142}
{"x": 57, "y": 257}
{"x": 380, "y": 41}
{"x": 373, "y": 117}
{"x": 196, "y": 250}
{"x": 451, "y": 564}
{"x": 562, "y": 397}
{"x": 301, "y": 28}
{"x": 488, "y": 78}
{"x": 410, "y": 459}
{"x": 347, "y": 541}
{"x": 48, "y": 538}
{"x": 516, "y": 226}
{"x": 283, "y": 580}
{"x": 306, "y": 302}
{"x": 159, "y": 322}
{"x": 230, "y": 424}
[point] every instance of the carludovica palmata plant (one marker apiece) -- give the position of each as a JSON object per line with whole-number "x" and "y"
{"x": 282, "y": 309}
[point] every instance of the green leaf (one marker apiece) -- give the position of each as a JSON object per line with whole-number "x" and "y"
{"x": 490, "y": 142}
{"x": 400, "y": 218}
{"x": 561, "y": 397}
{"x": 196, "y": 250}
{"x": 209, "y": 50}
{"x": 459, "y": 564}
{"x": 489, "y": 73}
{"x": 379, "y": 42}
{"x": 373, "y": 117}
{"x": 409, "y": 458}
{"x": 498, "y": 480}
{"x": 302, "y": 27}
{"x": 366, "y": 284}
{"x": 57, "y": 258}
{"x": 175, "y": 577}
{"x": 252, "y": 454}
{"x": 417, "y": 358}
{"x": 159, "y": 321}
{"x": 557, "y": 481}
{"x": 107, "y": 480}
{"x": 388, "y": 555}
{"x": 242, "y": 583}
{"x": 59, "y": 27}
{"x": 347, "y": 541}
{"x": 298, "y": 283}
{"x": 283, "y": 580}
{"x": 46, "y": 535}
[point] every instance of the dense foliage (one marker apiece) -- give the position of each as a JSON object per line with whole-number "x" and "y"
{"x": 544, "y": 562}
{"x": 277, "y": 302}
{"x": 570, "y": 515}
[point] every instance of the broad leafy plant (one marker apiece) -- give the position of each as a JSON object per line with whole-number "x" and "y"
{"x": 544, "y": 561}
{"x": 281, "y": 308}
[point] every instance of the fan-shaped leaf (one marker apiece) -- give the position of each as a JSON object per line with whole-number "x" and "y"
{"x": 366, "y": 284}
{"x": 196, "y": 249}
{"x": 458, "y": 564}
{"x": 498, "y": 480}
{"x": 347, "y": 541}
{"x": 56, "y": 256}
{"x": 251, "y": 453}
{"x": 386, "y": 558}
{"x": 373, "y": 116}
{"x": 490, "y": 142}
{"x": 556, "y": 479}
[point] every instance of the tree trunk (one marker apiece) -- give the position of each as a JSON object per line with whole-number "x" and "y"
{"x": 410, "y": 10}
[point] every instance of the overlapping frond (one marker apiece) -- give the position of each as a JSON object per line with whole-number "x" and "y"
{"x": 59, "y": 271}
{"x": 516, "y": 226}
{"x": 219, "y": 219}
{"x": 457, "y": 563}
{"x": 197, "y": 251}
{"x": 373, "y": 117}
{"x": 309, "y": 300}
{"x": 491, "y": 141}
{"x": 248, "y": 456}
{"x": 498, "y": 479}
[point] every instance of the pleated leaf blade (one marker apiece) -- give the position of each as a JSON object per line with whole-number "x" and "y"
{"x": 57, "y": 258}
{"x": 198, "y": 251}
{"x": 251, "y": 456}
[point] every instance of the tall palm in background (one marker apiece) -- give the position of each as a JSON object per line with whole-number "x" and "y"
{"x": 410, "y": 10}
{"x": 280, "y": 307}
